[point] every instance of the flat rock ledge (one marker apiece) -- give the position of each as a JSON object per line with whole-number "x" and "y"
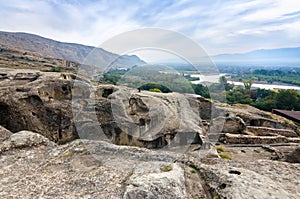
{"x": 31, "y": 166}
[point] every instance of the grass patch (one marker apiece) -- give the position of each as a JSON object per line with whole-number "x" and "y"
{"x": 166, "y": 168}
{"x": 56, "y": 69}
{"x": 220, "y": 148}
{"x": 225, "y": 156}
{"x": 193, "y": 171}
{"x": 157, "y": 90}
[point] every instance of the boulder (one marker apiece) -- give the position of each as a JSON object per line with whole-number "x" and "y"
{"x": 24, "y": 139}
{"x": 293, "y": 156}
{"x": 4, "y": 133}
{"x": 146, "y": 119}
{"x": 42, "y": 103}
{"x": 156, "y": 180}
{"x": 233, "y": 125}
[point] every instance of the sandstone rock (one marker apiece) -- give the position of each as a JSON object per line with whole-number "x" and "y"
{"x": 264, "y": 131}
{"x": 41, "y": 103}
{"x": 233, "y": 125}
{"x": 24, "y": 139}
{"x": 146, "y": 119}
{"x": 204, "y": 107}
{"x": 252, "y": 180}
{"x": 255, "y": 117}
{"x": 250, "y": 139}
{"x": 4, "y": 133}
{"x": 53, "y": 104}
{"x": 149, "y": 181}
{"x": 97, "y": 169}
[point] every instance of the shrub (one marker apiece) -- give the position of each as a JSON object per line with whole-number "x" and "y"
{"x": 150, "y": 86}
{"x": 166, "y": 168}
{"x": 157, "y": 90}
{"x": 225, "y": 156}
{"x": 56, "y": 69}
{"x": 220, "y": 148}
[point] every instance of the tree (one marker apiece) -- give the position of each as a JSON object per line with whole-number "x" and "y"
{"x": 248, "y": 84}
{"x": 202, "y": 90}
{"x": 288, "y": 100}
{"x": 227, "y": 86}
{"x": 160, "y": 87}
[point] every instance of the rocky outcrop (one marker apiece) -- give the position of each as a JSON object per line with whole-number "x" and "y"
{"x": 64, "y": 106}
{"x": 48, "y": 103}
{"x": 24, "y": 139}
{"x": 255, "y": 117}
{"x": 244, "y": 124}
{"x": 233, "y": 125}
{"x": 39, "y": 102}
{"x": 147, "y": 119}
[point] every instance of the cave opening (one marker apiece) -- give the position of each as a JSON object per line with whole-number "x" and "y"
{"x": 4, "y": 115}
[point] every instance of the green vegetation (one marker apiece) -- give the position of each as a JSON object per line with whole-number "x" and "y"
{"x": 112, "y": 78}
{"x": 265, "y": 99}
{"x": 165, "y": 81}
{"x": 188, "y": 77}
{"x": 289, "y": 76}
{"x": 166, "y": 168}
{"x": 225, "y": 156}
{"x": 154, "y": 87}
{"x": 157, "y": 90}
{"x": 150, "y": 78}
{"x": 220, "y": 148}
{"x": 56, "y": 69}
{"x": 193, "y": 171}
{"x": 202, "y": 90}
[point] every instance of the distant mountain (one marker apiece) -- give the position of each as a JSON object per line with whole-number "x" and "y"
{"x": 68, "y": 51}
{"x": 281, "y": 55}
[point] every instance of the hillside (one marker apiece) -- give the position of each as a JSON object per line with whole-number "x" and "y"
{"x": 68, "y": 51}
{"x": 281, "y": 55}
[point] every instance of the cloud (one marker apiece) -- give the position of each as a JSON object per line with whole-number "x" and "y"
{"x": 219, "y": 26}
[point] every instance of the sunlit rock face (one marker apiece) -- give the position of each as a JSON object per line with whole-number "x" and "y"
{"x": 148, "y": 119}
{"x": 64, "y": 106}
{"x": 37, "y": 101}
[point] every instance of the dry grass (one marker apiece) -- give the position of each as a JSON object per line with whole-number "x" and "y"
{"x": 166, "y": 168}
{"x": 220, "y": 148}
{"x": 225, "y": 155}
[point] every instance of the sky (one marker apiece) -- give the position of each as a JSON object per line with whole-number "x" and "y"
{"x": 231, "y": 26}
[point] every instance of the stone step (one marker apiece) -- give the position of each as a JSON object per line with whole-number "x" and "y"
{"x": 253, "y": 139}
{"x": 265, "y": 131}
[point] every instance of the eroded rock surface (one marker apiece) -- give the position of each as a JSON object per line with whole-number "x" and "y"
{"x": 97, "y": 169}
{"x": 293, "y": 156}
{"x": 37, "y": 101}
{"x": 4, "y": 133}
{"x": 64, "y": 106}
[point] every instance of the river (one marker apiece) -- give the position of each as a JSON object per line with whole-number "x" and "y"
{"x": 215, "y": 78}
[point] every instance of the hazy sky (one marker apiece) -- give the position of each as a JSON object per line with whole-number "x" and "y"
{"x": 230, "y": 26}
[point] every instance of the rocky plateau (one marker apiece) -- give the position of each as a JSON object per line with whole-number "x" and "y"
{"x": 65, "y": 136}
